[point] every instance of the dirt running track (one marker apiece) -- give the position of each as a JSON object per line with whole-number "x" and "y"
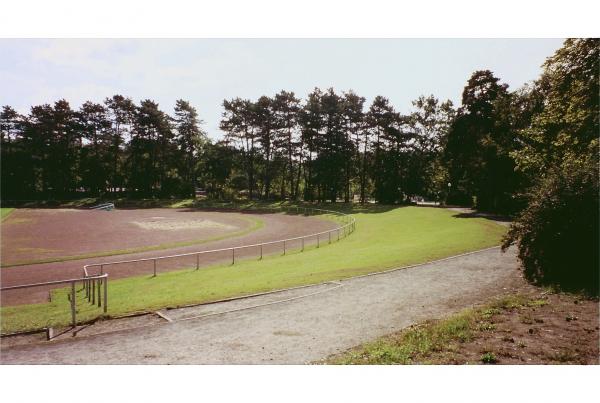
{"x": 276, "y": 226}
{"x": 330, "y": 318}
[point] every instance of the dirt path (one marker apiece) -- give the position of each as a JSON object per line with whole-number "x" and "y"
{"x": 276, "y": 226}
{"x": 311, "y": 323}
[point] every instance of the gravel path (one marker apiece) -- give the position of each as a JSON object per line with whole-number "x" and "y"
{"x": 309, "y": 324}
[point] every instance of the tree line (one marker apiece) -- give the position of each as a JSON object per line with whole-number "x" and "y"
{"x": 330, "y": 146}
{"x": 57, "y": 152}
{"x": 326, "y": 148}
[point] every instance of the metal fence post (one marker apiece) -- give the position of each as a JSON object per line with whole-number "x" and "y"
{"x": 105, "y": 294}
{"x": 302, "y": 244}
{"x": 73, "y": 319}
{"x": 338, "y": 231}
{"x": 329, "y": 233}
{"x": 154, "y": 268}
{"x": 101, "y": 269}
{"x": 284, "y": 247}
{"x": 93, "y": 292}
{"x": 99, "y": 293}
{"x": 197, "y": 261}
{"x": 261, "y": 251}
{"x": 317, "y": 240}
{"x": 232, "y": 255}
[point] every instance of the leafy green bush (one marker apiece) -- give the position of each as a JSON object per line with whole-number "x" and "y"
{"x": 558, "y": 233}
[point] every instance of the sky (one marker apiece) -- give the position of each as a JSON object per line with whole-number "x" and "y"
{"x": 207, "y": 71}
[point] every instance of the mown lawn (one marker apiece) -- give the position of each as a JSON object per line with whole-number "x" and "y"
{"x": 385, "y": 237}
{"x": 4, "y": 212}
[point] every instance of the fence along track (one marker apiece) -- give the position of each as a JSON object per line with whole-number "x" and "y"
{"x": 342, "y": 231}
{"x": 90, "y": 284}
{"x": 95, "y": 286}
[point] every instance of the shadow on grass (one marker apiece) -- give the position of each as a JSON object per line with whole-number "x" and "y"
{"x": 488, "y": 216}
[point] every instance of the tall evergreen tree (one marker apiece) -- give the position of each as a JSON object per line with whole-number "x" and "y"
{"x": 311, "y": 124}
{"x": 286, "y": 107}
{"x": 16, "y": 164}
{"x": 121, "y": 114}
{"x": 265, "y": 127}
{"x": 95, "y": 166}
{"x": 479, "y": 145}
{"x": 149, "y": 149}
{"x": 381, "y": 120}
{"x": 429, "y": 124}
{"x": 190, "y": 139}
{"x": 354, "y": 128}
{"x": 238, "y": 124}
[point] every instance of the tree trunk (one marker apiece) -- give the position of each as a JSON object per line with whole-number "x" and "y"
{"x": 363, "y": 174}
{"x": 297, "y": 188}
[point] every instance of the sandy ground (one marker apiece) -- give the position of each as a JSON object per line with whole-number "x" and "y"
{"x": 276, "y": 226}
{"x": 307, "y": 325}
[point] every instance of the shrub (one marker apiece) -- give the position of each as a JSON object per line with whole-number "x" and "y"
{"x": 489, "y": 358}
{"x": 558, "y": 232}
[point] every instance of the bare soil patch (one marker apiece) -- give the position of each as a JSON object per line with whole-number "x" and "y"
{"x": 530, "y": 325}
{"x": 160, "y": 224}
{"x": 549, "y": 329}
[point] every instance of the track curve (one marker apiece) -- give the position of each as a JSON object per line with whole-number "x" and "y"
{"x": 277, "y": 226}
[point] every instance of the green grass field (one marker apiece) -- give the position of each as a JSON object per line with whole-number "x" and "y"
{"x": 385, "y": 237}
{"x": 4, "y": 212}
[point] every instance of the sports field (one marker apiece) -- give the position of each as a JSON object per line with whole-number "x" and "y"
{"x": 32, "y": 236}
{"x": 385, "y": 237}
{"x": 47, "y": 242}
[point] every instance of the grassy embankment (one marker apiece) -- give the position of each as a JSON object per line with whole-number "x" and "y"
{"x": 385, "y": 237}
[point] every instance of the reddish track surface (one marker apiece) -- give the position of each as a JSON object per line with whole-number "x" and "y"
{"x": 35, "y": 234}
{"x": 277, "y": 226}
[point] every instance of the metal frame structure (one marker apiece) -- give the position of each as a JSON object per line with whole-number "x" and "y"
{"x": 90, "y": 284}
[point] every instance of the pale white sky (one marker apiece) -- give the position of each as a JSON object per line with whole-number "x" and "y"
{"x": 206, "y": 71}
